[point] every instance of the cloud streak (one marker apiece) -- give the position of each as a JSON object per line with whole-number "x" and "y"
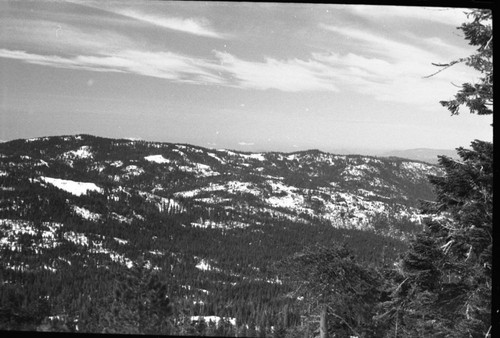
{"x": 449, "y": 16}
{"x": 384, "y": 68}
{"x": 292, "y": 75}
{"x": 195, "y": 26}
{"x": 391, "y": 70}
{"x": 224, "y": 69}
{"x": 165, "y": 65}
{"x": 399, "y": 82}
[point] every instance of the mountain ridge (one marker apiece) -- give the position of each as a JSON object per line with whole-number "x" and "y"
{"x": 429, "y": 155}
{"x": 401, "y": 153}
{"x": 319, "y": 163}
{"x": 76, "y": 206}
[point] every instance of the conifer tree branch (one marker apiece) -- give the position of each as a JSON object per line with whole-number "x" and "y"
{"x": 445, "y": 65}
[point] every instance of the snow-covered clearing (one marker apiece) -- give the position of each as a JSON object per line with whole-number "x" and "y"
{"x": 82, "y": 152}
{"x": 287, "y": 196}
{"x": 73, "y": 187}
{"x": 230, "y": 187}
{"x": 256, "y": 156}
{"x": 86, "y": 214}
{"x": 157, "y": 159}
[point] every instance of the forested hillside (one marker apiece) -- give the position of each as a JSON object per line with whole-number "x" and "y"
{"x": 82, "y": 215}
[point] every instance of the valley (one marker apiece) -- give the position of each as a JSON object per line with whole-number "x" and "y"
{"x": 80, "y": 214}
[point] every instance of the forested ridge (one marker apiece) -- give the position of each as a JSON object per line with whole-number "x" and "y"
{"x": 213, "y": 252}
{"x": 125, "y": 236}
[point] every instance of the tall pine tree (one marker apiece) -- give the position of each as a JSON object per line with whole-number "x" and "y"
{"x": 336, "y": 287}
{"x": 445, "y": 279}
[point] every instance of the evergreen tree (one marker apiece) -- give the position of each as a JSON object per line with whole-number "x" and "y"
{"x": 336, "y": 286}
{"x": 137, "y": 304}
{"x": 444, "y": 284}
{"x": 477, "y": 97}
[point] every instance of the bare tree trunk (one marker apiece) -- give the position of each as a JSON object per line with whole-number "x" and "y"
{"x": 323, "y": 323}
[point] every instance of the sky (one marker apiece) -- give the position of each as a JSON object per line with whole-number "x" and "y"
{"x": 243, "y": 76}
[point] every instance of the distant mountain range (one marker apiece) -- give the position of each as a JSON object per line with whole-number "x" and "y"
{"x": 422, "y": 154}
{"x": 211, "y": 222}
{"x": 281, "y": 183}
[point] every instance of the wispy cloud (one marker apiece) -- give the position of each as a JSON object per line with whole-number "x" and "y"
{"x": 199, "y": 26}
{"x": 386, "y": 68}
{"x": 448, "y": 16}
{"x": 290, "y": 75}
{"x": 385, "y": 81}
{"x": 246, "y": 143}
{"x": 374, "y": 43}
{"x": 61, "y": 37}
{"x": 165, "y": 65}
{"x": 195, "y": 26}
{"x": 392, "y": 70}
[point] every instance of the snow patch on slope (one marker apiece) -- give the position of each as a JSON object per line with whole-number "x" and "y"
{"x": 120, "y": 241}
{"x": 256, "y": 156}
{"x": 121, "y": 218}
{"x": 216, "y": 157}
{"x": 86, "y": 214}
{"x": 199, "y": 169}
{"x": 83, "y": 152}
{"x": 73, "y": 187}
{"x": 231, "y": 187}
{"x": 157, "y": 159}
{"x": 12, "y": 229}
{"x": 214, "y": 225}
{"x": 204, "y": 265}
{"x": 134, "y": 170}
{"x": 76, "y": 238}
{"x": 116, "y": 164}
{"x": 213, "y": 319}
